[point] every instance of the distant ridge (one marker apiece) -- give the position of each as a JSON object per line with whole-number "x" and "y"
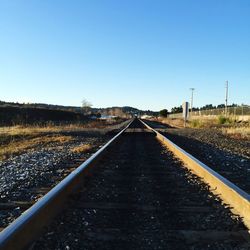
{"x": 115, "y": 111}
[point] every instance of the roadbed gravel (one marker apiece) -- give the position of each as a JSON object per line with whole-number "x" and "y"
{"x": 228, "y": 156}
{"x": 141, "y": 197}
{"x": 43, "y": 167}
{"x": 28, "y": 176}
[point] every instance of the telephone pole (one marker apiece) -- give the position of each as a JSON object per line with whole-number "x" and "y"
{"x": 192, "y": 97}
{"x": 226, "y": 98}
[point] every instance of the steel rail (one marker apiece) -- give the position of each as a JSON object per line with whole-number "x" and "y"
{"x": 229, "y": 192}
{"x": 26, "y": 228}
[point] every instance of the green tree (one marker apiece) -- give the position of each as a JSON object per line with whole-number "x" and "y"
{"x": 164, "y": 112}
{"x": 175, "y": 110}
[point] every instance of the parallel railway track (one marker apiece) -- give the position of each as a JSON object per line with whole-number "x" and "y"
{"x": 135, "y": 194}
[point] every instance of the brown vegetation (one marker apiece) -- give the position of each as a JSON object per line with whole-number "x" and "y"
{"x": 173, "y": 122}
{"x": 237, "y": 132}
{"x": 18, "y": 139}
{"x": 20, "y": 146}
{"x": 226, "y": 125}
{"x": 51, "y": 128}
{"x": 83, "y": 148}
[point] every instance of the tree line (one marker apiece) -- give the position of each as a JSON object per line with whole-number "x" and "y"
{"x": 178, "y": 109}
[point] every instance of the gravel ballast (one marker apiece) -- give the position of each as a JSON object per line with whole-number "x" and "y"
{"x": 43, "y": 167}
{"x": 141, "y": 197}
{"x": 228, "y": 156}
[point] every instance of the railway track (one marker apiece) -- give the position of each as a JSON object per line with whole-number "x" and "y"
{"x": 133, "y": 194}
{"x": 231, "y": 162}
{"x": 22, "y": 184}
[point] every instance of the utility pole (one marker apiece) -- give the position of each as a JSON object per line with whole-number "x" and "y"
{"x": 192, "y": 97}
{"x": 226, "y": 98}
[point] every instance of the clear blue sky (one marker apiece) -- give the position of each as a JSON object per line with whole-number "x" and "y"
{"x": 145, "y": 54}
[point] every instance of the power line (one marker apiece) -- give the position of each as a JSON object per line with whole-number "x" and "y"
{"x": 192, "y": 97}
{"x": 226, "y": 97}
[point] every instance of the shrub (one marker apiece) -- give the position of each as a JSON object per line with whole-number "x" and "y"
{"x": 223, "y": 120}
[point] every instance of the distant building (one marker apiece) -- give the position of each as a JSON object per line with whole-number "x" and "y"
{"x": 105, "y": 117}
{"x": 147, "y": 116}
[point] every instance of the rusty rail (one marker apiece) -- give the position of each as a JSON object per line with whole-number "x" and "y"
{"x": 238, "y": 199}
{"x": 21, "y": 232}
{"x": 25, "y": 229}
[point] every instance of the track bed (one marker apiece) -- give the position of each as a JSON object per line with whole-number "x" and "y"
{"x": 141, "y": 197}
{"x": 227, "y": 156}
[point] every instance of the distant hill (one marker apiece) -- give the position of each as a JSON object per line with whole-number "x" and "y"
{"x": 41, "y": 105}
{"x": 125, "y": 111}
{"x": 23, "y": 115}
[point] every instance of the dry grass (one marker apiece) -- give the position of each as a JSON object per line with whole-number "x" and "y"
{"x": 175, "y": 122}
{"x": 75, "y": 127}
{"x": 237, "y": 132}
{"x": 83, "y": 148}
{"x": 203, "y": 123}
{"x": 21, "y": 146}
{"x": 199, "y": 122}
{"x": 18, "y": 139}
{"x": 228, "y": 127}
{"x": 35, "y": 130}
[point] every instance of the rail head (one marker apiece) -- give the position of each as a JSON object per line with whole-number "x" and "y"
{"x": 18, "y": 234}
{"x": 228, "y": 191}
